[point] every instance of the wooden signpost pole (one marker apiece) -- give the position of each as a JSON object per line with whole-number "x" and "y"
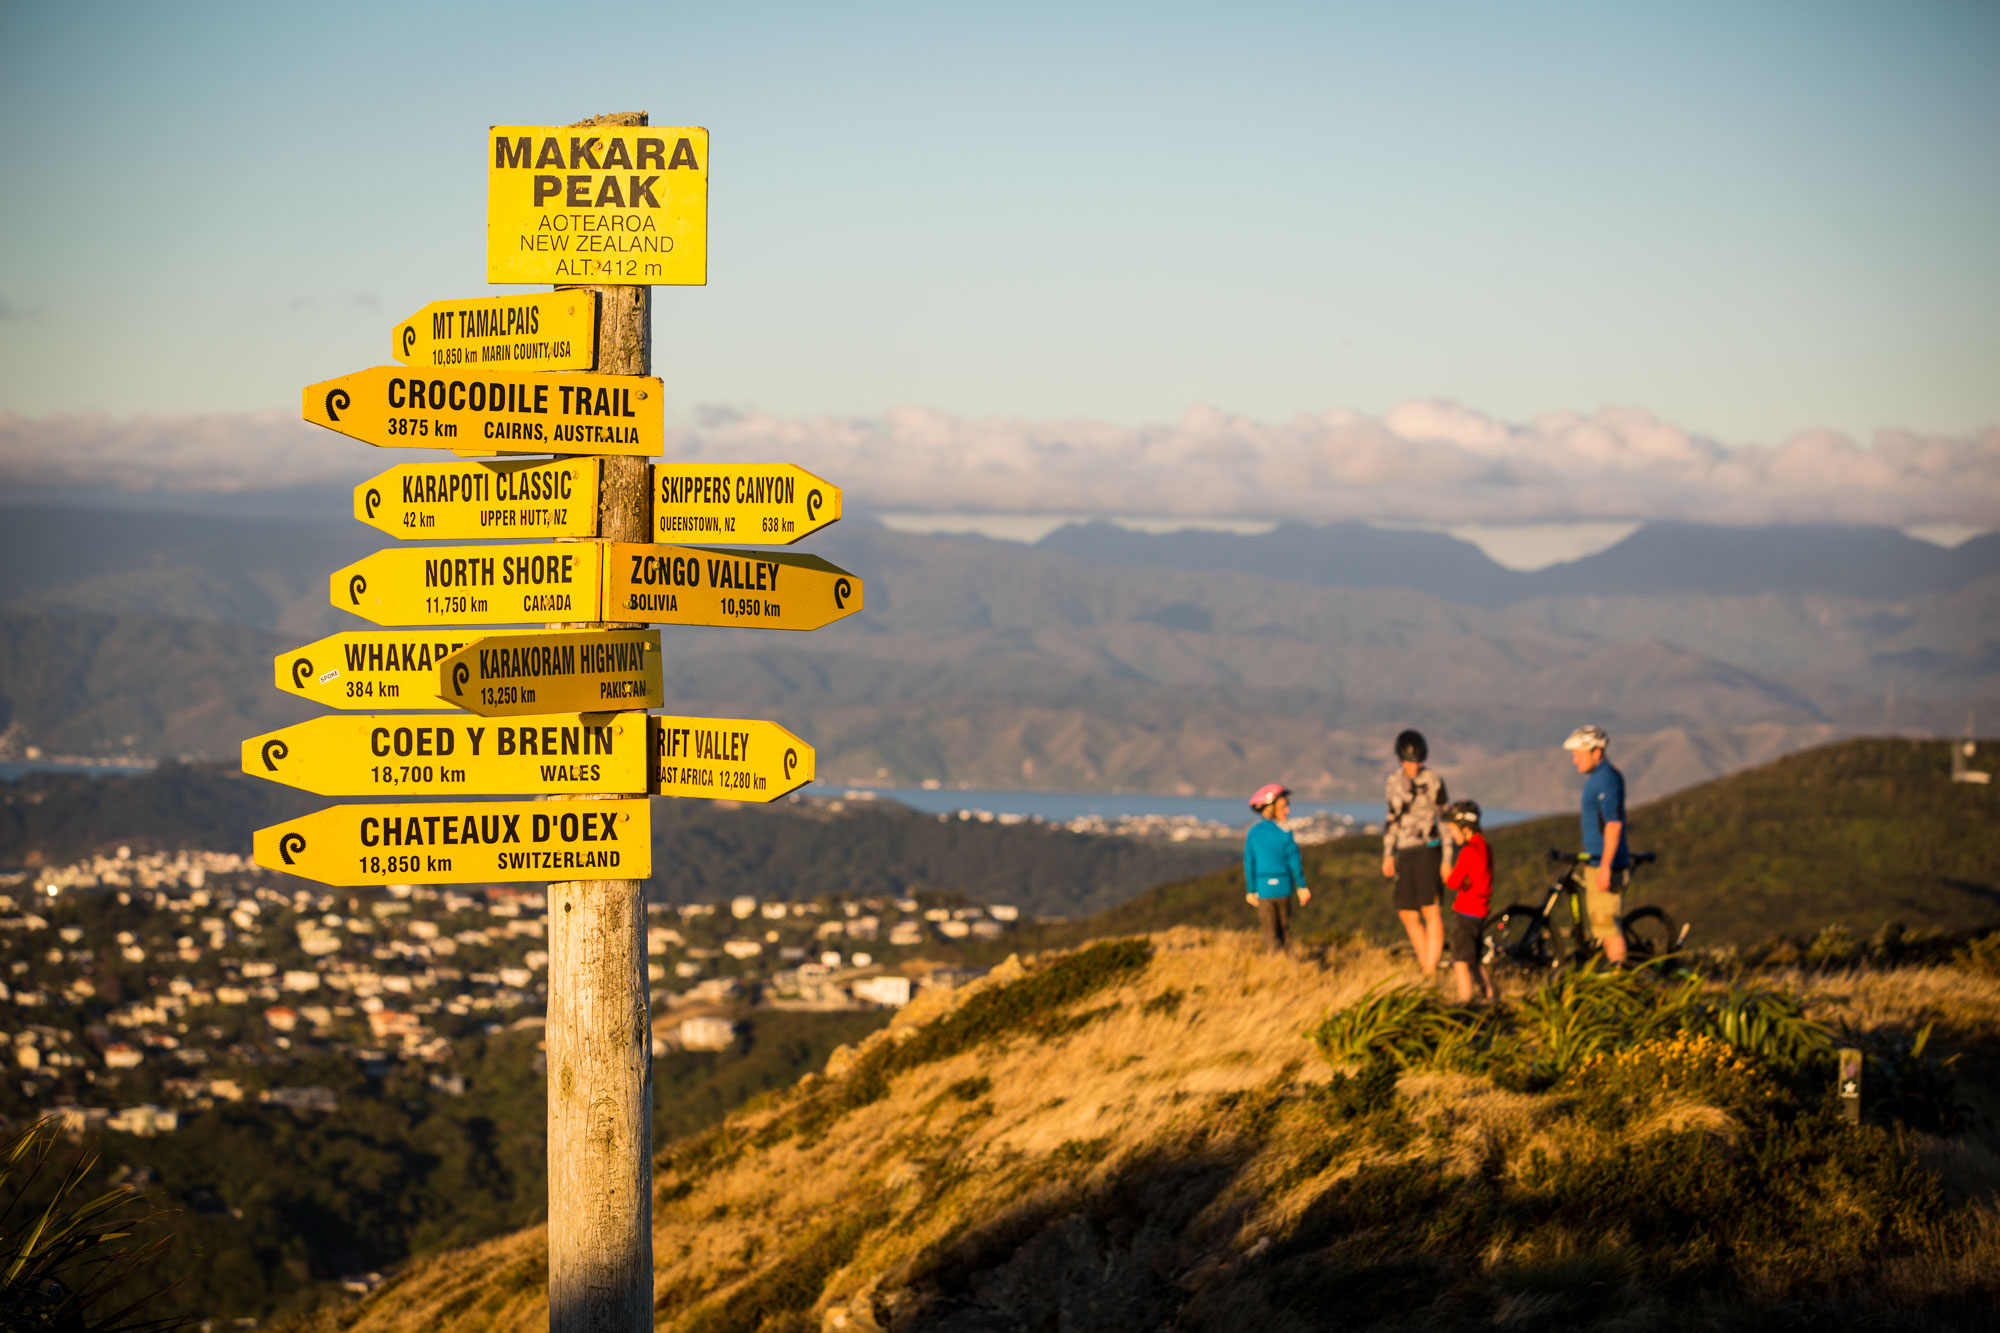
{"x": 599, "y": 1035}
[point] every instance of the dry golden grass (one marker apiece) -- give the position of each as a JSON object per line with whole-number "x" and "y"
{"x": 1191, "y": 1092}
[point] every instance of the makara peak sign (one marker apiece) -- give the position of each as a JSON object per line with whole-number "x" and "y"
{"x": 756, "y": 504}
{"x": 538, "y": 331}
{"x": 494, "y": 498}
{"x": 492, "y": 411}
{"x": 623, "y": 205}
{"x": 583, "y": 671}
{"x": 441, "y": 754}
{"x": 467, "y": 842}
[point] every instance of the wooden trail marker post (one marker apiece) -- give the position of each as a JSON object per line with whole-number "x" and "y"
{"x": 600, "y": 1032}
{"x": 562, "y": 709}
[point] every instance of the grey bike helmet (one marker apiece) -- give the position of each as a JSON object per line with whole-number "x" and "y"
{"x": 1463, "y": 813}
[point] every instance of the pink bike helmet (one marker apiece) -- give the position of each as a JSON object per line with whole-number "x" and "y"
{"x": 1268, "y": 793}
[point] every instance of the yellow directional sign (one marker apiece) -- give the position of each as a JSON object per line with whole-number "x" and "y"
{"x": 496, "y": 411}
{"x": 609, "y": 204}
{"x": 537, "y": 331}
{"x": 727, "y": 759}
{"x": 472, "y": 585}
{"x": 755, "y": 504}
{"x": 699, "y": 585}
{"x": 497, "y": 498}
{"x": 444, "y": 755}
{"x": 390, "y": 668}
{"x": 470, "y": 842}
{"x": 584, "y": 671}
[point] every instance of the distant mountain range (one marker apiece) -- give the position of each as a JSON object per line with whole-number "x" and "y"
{"x": 1076, "y": 665}
{"x": 1659, "y": 559}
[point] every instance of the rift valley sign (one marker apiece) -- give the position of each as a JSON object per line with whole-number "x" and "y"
{"x": 625, "y": 205}
{"x": 492, "y": 411}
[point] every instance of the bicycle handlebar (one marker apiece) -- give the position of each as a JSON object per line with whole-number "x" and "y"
{"x": 1559, "y": 857}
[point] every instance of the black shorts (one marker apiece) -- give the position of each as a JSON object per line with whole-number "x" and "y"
{"x": 1462, "y": 932}
{"x": 1419, "y": 877}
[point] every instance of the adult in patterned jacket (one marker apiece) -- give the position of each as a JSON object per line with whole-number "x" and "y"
{"x": 1413, "y": 848}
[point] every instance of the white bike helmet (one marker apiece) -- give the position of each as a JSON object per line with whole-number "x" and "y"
{"x": 1589, "y": 736}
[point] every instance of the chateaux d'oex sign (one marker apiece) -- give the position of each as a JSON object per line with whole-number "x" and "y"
{"x": 473, "y": 695}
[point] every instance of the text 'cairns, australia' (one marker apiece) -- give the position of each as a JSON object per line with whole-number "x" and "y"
{"x": 474, "y": 842}
{"x": 623, "y": 205}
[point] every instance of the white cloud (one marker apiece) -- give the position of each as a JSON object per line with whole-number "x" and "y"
{"x": 1427, "y": 462}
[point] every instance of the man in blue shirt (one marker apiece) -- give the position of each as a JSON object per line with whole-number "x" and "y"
{"x": 1603, "y": 838}
{"x": 1272, "y": 869}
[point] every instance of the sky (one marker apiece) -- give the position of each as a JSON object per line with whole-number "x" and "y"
{"x": 1743, "y": 226}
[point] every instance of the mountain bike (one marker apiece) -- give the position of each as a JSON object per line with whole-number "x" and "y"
{"x": 1525, "y": 936}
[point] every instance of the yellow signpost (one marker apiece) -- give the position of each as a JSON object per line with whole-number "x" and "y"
{"x": 496, "y": 498}
{"x": 583, "y": 671}
{"x": 698, "y": 585}
{"x": 389, "y": 668}
{"x": 473, "y": 585}
{"x": 443, "y": 755}
{"x": 469, "y": 842}
{"x": 752, "y": 503}
{"x": 727, "y": 759}
{"x": 538, "y": 331}
{"x": 623, "y": 204}
{"x": 494, "y": 411}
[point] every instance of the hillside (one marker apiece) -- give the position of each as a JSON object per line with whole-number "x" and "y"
{"x": 1862, "y": 833}
{"x": 1142, "y": 1135}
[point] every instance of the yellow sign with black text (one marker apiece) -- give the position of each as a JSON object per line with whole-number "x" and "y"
{"x": 374, "y": 669}
{"x": 495, "y": 411}
{"x": 727, "y": 759}
{"x": 472, "y": 842}
{"x": 614, "y": 205}
{"x": 445, "y": 755}
{"x": 473, "y": 585}
{"x": 535, "y": 331}
{"x": 752, "y": 503}
{"x": 497, "y": 498}
{"x": 583, "y": 671}
{"x": 698, "y": 585}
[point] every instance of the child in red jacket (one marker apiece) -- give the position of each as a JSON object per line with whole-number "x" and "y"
{"x": 1471, "y": 882}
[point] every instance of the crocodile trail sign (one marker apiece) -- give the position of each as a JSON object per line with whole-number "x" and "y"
{"x": 491, "y": 411}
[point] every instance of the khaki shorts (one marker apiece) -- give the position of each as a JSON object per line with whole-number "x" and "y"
{"x": 1603, "y": 908}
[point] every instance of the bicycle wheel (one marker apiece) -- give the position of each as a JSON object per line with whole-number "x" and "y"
{"x": 1648, "y": 932}
{"x": 1517, "y": 935}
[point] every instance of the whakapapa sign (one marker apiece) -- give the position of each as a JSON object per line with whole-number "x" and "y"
{"x": 473, "y": 585}
{"x": 494, "y": 411}
{"x": 444, "y": 755}
{"x": 501, "y": 498}
{"x": 582, "y": 671}
{"x": 471, "y": 842}
{"x": 538, "y": 331}
{"x": 727, "y": 759}
{"x": 623, "y": 205}
{"x": 385, "y": 668}
{"x": 697, "y": 585}
{"x": 757, "y": 504}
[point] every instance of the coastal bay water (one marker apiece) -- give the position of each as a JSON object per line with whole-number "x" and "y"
{"x": 1062, "y": 807}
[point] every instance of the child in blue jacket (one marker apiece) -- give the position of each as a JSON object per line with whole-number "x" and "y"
{"x": 1272, "y": 870}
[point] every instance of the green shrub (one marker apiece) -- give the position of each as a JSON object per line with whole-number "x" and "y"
{"x": 1981, "y": 957}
